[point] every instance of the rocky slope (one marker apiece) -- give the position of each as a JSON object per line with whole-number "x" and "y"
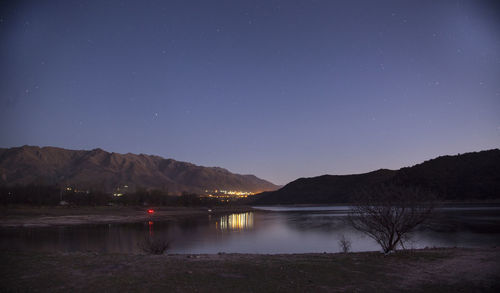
{"x": 98, "y": 169}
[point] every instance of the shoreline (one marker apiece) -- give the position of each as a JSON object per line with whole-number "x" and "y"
{"x": 423, "y": 270}
{"x": 47, "y": 216}
{"x": 18, "y": 217}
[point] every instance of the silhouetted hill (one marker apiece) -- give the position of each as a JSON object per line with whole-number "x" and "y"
{"x": 98, "y": 169}
{"x": 469, "y": 176}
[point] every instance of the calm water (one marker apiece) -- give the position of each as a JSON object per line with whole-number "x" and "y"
{"x": 270, "y": 230}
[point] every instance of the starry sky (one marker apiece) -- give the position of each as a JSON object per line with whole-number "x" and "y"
{"x": 279, "y": 89}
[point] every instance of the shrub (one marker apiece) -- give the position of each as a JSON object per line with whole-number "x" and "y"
{"x": 153, "y": 245}
{"x": 345, "y": 244}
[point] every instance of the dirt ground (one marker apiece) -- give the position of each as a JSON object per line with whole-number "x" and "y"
{"x": 429, "y": 270}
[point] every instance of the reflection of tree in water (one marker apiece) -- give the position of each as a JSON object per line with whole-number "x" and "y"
{"x": 319, "y": 222}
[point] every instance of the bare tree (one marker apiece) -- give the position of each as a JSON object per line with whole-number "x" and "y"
{"x": 389, "y": 213}
{"x": 345, "y": 244}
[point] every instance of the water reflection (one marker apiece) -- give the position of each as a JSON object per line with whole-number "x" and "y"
{"x": 233, "y": 222}
{"x": 254, "y": 232}
{"x": 150, "y": 225}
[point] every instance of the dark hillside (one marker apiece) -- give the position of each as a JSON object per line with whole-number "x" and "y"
{"x": 470, "y": 176}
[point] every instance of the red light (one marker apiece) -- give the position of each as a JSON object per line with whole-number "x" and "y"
{"x": 151, "y": 211}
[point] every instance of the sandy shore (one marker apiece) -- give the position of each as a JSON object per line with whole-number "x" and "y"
{"x": 436, "y": 270}
{"x": 52, "y": 216}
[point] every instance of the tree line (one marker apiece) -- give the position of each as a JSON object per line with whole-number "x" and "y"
{"x": 34, "y": 194}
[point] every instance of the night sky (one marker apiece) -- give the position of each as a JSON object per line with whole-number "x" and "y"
{"x": 279, "y": 89}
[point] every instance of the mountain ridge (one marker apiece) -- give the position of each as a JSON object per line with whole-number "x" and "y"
{"x": 468, "y": 176}
{"x": 102, "y": 170}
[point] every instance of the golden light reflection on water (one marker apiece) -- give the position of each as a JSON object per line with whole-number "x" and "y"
{"x": 240, "y": 221}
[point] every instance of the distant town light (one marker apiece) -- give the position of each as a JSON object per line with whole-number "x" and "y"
{"x": 221, "y": 193}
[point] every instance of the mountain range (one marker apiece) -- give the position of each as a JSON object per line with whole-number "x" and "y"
{"x": 469, "y": 176}
{"x": 105, "y": 171}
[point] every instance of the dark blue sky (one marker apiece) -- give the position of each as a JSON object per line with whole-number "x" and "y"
{"x": 280, "y": 89}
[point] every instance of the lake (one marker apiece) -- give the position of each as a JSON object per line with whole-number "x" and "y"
{"x": 270, "y": 230}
